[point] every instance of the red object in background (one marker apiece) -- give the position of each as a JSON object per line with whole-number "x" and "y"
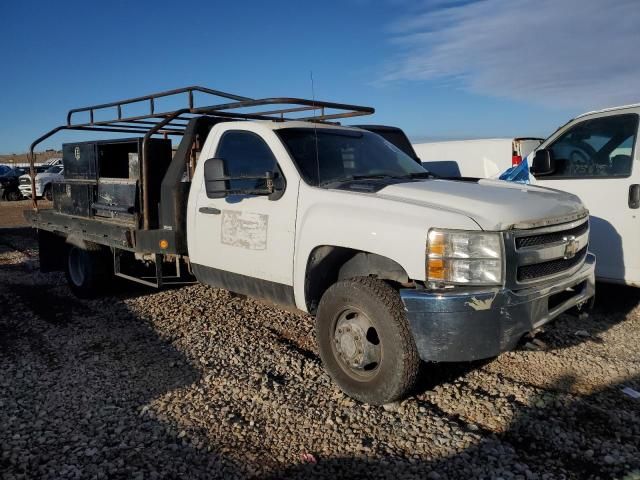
{"x": 516, "y": 160}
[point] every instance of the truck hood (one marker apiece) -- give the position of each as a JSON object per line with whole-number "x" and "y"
{"x": 492, "y": 204}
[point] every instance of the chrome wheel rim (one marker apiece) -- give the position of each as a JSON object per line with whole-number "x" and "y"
{"x": 356, "y": 344}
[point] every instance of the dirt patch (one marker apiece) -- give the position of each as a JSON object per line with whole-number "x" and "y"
{"x": 11, "y": 213}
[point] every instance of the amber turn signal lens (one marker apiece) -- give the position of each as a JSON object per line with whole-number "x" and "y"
{"x": 436, "y": 269}
{"x": 164, "y": 244}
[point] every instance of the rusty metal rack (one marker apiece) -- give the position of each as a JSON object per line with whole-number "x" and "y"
{"x": 175, "y": 122}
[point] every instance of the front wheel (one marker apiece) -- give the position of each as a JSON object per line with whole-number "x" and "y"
{"x": 365, "y": 342}
{"x": 87, "y": 270}
{"x": 48, "y": 193}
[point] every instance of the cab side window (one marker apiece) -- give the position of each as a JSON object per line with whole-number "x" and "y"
{"x": 245, "y": 154}
{"x": 602, "y": 147}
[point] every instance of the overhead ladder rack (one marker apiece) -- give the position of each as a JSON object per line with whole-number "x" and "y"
{"x": 151, "y": 119}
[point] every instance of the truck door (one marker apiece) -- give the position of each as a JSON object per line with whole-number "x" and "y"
{"x": 245, "y": 243}
{"x": 597, "y": 160}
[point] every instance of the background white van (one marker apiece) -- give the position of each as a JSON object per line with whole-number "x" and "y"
{"x": 595, "y": 156}
{"x": 483, "y": 158}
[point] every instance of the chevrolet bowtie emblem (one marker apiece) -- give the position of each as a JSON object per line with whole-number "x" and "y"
{"x": 570, "y": 247}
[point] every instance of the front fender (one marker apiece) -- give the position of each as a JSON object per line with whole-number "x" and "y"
{"x": 363, "y": 221}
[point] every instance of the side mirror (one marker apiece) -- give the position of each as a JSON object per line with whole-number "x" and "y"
{"x": 217, "y": 182}
{"x": 543, "y": 163}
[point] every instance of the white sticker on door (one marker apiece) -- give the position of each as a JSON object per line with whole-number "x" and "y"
{"x": 244, "y": 229}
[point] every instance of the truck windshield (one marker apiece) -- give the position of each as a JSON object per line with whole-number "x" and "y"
{"x": 325, "y": 156}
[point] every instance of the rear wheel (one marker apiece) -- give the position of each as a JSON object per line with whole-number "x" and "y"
{"x": 87, "y": 269}
{"x": 365, "y": 342}
{"x": 14, "y": 195}
{"x": 48, "y": 193}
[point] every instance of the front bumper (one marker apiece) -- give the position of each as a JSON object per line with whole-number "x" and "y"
{"x": 25, "y": 190}
{"x": 471, "y": 325}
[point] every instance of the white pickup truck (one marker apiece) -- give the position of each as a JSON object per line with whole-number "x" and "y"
{"x": 44, "y": 182}
{"x": 396, "y": 266}
{"x": 595, "y": 157}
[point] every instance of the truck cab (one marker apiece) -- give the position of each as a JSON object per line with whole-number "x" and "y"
{"x": 396, "y": 266}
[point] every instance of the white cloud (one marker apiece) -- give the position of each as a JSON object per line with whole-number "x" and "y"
{"x": 568, "y": 53}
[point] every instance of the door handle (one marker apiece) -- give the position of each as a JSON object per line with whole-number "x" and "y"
{"x": 634, "y": 196}
{"x": 209, "y": 210}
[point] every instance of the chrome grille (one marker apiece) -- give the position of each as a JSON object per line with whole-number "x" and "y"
{"x": 553, "y": 237}
{"x": 25, "y": 181}
{"x": 544, "y": 253}
{"x": 552, "y": 267}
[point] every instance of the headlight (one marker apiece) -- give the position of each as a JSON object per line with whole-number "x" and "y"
{"x": 464, "y": 258}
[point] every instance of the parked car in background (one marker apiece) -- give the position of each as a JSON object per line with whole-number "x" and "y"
{"x": 483, "y": 158}
{"x": 44, "y": 182}
{"x": 53, "y": 162}
{"x": 4, "y": 169}
{"x": 395, "y": 136}
{"x": 9, "y": 181}
{"x": 595, "y": 157}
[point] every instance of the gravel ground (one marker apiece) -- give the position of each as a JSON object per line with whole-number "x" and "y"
{"x": 196, "y": 383}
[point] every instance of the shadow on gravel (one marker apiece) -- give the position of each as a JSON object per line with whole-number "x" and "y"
{"x": 613, "y": 304}
{"x": 19, "y": 238}
{"x": 551, "y": 436}
{"x": 433, "y": 374}
{"x": 77, "y": 378}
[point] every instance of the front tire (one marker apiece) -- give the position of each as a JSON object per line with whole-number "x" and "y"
{"x": 48, "y": 193}
{"x": 88, "y": 269}
{"x": 365, "y": 342}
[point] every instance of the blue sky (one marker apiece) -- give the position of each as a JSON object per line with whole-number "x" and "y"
{"x": 438, "y": 69}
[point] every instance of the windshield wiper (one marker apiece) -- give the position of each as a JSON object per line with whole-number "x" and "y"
{"x": 351, "y": 178}
{"x": 420, "y": 175}
{"x": 367, "y": 177}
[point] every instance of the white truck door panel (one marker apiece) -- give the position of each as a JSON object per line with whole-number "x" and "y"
{"x": 596, "y": 160}
{"x": 249, "y": 235}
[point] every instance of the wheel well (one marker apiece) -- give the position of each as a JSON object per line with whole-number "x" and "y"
{"x": 327, "y": 264}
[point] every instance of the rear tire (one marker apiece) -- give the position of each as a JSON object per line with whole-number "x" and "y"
{"x": 365, "y": 342}
{"x": 88, "y": 269}
{"x": 14, "y": 196}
